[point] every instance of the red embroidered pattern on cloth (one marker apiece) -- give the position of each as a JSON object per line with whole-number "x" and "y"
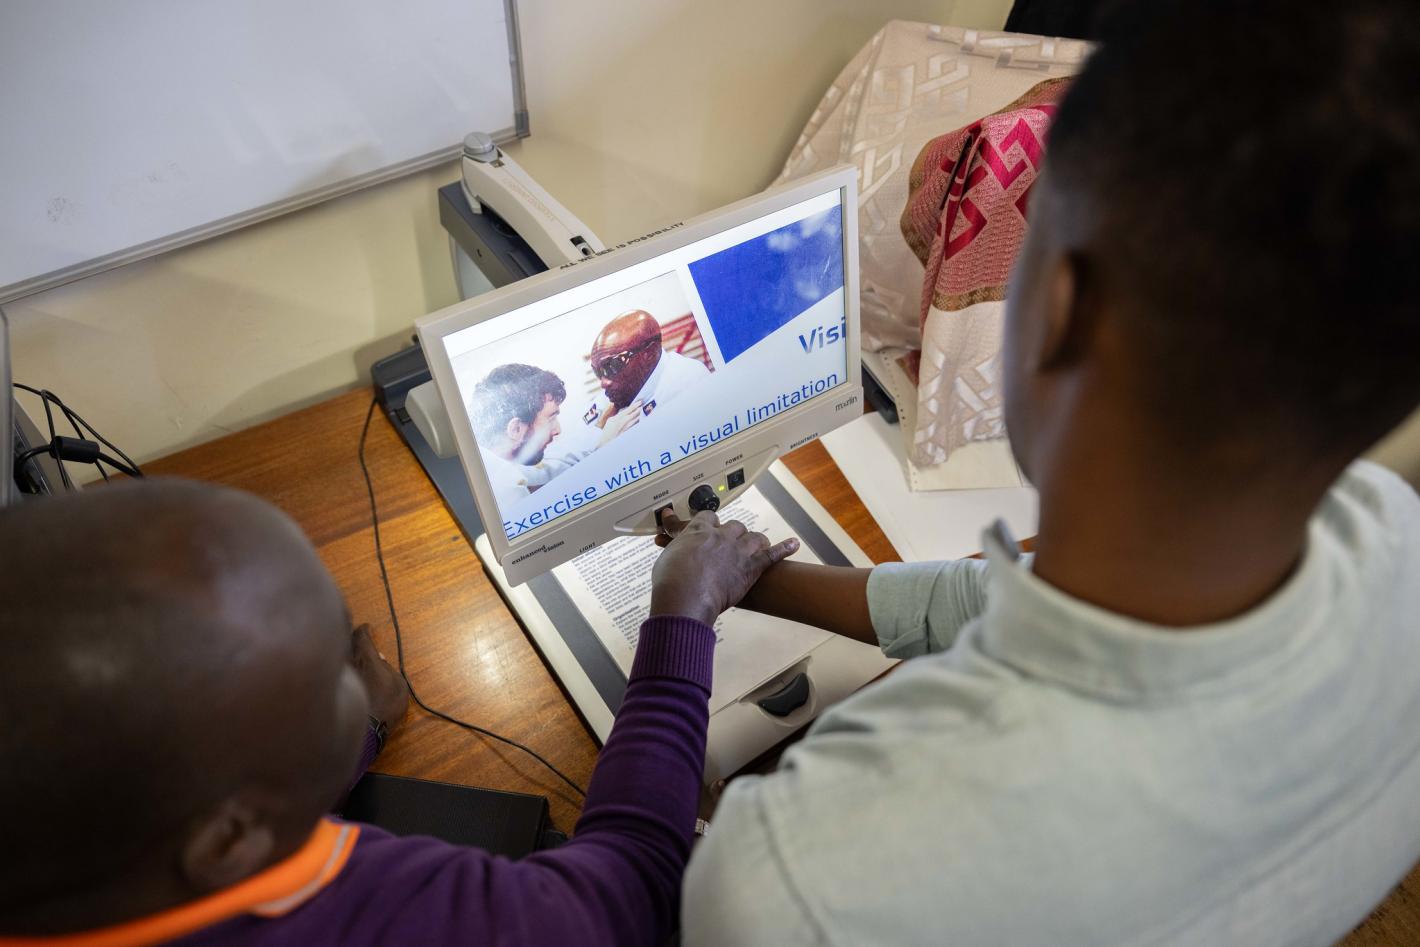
{"x": 965, "y": 215}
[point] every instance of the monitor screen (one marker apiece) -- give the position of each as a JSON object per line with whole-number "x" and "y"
{"x": 580, "y": 395}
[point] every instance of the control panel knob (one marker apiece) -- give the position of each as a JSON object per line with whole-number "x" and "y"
{"x": 704, "y": 497}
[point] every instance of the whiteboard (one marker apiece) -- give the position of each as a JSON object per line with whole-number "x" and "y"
{"x": 131, "y": 127}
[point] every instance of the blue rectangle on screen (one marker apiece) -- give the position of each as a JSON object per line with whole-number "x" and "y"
{"x": 753, "y": 288}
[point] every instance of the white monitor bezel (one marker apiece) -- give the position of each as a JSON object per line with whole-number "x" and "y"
{"x": 571, "y": 534}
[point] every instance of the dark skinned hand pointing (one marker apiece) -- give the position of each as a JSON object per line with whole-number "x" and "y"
{"x": 709, "y": 566}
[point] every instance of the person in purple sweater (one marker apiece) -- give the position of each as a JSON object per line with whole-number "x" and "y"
{"x": 183, "y": 702}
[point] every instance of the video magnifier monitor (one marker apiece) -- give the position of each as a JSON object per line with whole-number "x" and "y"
{"x": 665, "y": 372}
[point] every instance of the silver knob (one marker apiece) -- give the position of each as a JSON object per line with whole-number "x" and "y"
{"x": 479, "y": 146}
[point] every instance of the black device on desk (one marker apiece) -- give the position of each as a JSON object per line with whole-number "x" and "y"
{"x": 512, "y": 824}
{"x": 876, "y": 395}
{"x": 36, "y": 473}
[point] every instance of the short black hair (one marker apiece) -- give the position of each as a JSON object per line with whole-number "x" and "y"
{"x": 511, "y": 391}
{"x": 1250, "y": 172}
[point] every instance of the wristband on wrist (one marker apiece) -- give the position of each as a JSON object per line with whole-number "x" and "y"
{"x": 378, "y": 728}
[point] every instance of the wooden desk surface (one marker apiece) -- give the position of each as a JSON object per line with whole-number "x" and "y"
{"x": 464, "y": 651}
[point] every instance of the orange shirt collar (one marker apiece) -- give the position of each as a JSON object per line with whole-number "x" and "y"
{"x": 278, "y": 890}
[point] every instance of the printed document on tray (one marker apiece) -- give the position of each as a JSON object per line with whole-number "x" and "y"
{"x": 611, "y": 587}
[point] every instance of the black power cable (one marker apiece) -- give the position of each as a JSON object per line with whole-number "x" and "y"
{"x": 399, "y": 638}
{"x": 83, "y": 448}
{"x": 78, "y": 432}
{"x": 75, "y": 421}
{"x": 44, "y": 397}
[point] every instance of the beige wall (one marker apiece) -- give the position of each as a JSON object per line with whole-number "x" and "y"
{"x": 187, "y": 346}
{"x": 643, "y": 111}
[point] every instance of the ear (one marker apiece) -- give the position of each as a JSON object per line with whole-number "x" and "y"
{"x": 231, "y": 844}
{"x": 515, "y": 430}
{"x": 1062, "y": 333}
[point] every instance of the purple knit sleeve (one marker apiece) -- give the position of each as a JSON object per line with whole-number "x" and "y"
{"x": 368, "y": 751}
{"x": 618, "y": 880}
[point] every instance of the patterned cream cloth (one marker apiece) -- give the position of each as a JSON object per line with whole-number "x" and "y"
{"x": 912, "y": 83}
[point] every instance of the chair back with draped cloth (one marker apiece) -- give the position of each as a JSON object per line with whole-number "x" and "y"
{"x": 968, "y": 196}
{"x": 908, "y": 86}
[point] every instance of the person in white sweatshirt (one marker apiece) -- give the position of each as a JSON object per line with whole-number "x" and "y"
{"x": 1193, "y": 715}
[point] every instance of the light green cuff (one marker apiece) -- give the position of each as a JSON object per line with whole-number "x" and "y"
{"x": 899, "y": 595}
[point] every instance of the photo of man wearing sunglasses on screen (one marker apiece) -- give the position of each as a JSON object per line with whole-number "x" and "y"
{"x": 633, "y": 368}
{"x": 525, "y": 416}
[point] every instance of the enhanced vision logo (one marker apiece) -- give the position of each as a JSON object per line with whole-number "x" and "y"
{"x": 823, "y": 336}
{"x": 538, "y": 551}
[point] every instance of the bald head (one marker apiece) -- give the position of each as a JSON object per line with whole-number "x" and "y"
{"x": 626, "y": 331}
{"x": 177, "y": 654}
{"x": 625, "y": 354}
